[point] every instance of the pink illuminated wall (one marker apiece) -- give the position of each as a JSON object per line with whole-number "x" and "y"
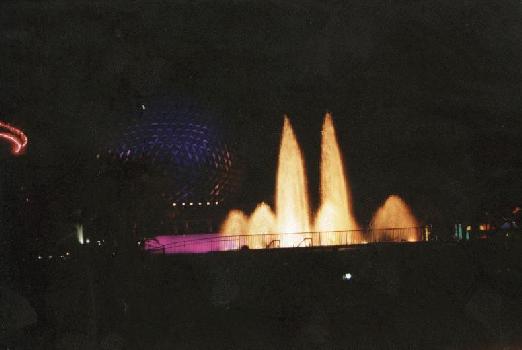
{"x": 196, "y": 243}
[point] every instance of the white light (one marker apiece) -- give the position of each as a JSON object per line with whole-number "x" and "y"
{"x": 99, "y": 242}
{"x": 199, "y": 203}
{"x": 39, "y": 257}
{"x": 87, "y": 240}
{"x": 208, "y": 203}
{"x": 67, "y": 253}
{"x": 191, "y": 203}
{"x": 347, "y": 276}
{"x": 79, "y": 233}
{"x": 183, "y": 203}
{"x": 173, "y": 204}
{"x": 50, "y": 257}
{"x": 217, "y": 203}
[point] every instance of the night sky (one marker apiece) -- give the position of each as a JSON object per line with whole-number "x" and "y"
{"x": 426, "y": 95}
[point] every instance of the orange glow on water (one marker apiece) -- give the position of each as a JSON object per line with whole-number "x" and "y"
{"x": 292, "y": 210}
{"x": 394, "y": 214}
{"x": 335, "y": 213}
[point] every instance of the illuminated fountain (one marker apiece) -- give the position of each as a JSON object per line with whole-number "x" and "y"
{"x": 290, "y": 226}
{"x": 292, "y": 211}
{"x": 334, "y": 224}
{"x": 394, "y": 221}
{"x": 236, "y": 223}
{"x": 261, "y": 224}
{"x": 335, "y": 212}
{"x": 292, "y": 216}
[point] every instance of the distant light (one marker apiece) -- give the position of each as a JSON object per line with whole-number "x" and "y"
{"x": 191, "y": 203}
{"x": 50, "y": 257}
{"x": 99, "y": 242}
{"x": 62, "y": 257}
{"x": 199, "y": 203}
{"x": 208, "y": 203}
{"x": 79, "y": 233}
{"x": 347, "y": 276}
{"x": 87, "y": 240}
{"x": 40, "y": 257}
{"x": 143, "y": 107}
{"x": 183, "y": 203}
{"x": 217, "y": 203}
{"x": 468, "y": 228}
{"x": 67, "y": 253}
{"x": 173, "y": 204}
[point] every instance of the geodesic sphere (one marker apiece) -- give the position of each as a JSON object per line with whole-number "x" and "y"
{"x": 183, "y": 145}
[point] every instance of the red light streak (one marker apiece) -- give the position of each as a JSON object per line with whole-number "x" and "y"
{"x": 14, "y": 136}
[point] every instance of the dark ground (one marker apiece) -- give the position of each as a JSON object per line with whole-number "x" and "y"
{"x": 410, "y": 296}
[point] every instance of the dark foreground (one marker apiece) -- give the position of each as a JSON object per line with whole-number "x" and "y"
{"x": 399, "y": 296}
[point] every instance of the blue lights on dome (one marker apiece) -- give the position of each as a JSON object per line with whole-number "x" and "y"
{"x": 184, "y": 145}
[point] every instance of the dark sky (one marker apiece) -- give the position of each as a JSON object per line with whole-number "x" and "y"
{"x": 426, "y": 95}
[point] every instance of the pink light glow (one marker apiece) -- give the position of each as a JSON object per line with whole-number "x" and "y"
{"x": 14, "y": 136}
{"x": 195, "y": 243}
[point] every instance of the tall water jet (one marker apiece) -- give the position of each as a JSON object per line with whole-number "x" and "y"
{"x": 292, "y": 211}
{"x": 261, "y": 224}
{"x": 334, "y": 222}
{"x": 236, "y": 223}
{"x": 394, "y": 221}
{"x": 335, "y": 212}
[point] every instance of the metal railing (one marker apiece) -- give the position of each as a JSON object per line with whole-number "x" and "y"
{"x": 214, "y": 242}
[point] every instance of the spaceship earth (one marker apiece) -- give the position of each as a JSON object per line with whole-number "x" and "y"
{"x": 184, "y": 144}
